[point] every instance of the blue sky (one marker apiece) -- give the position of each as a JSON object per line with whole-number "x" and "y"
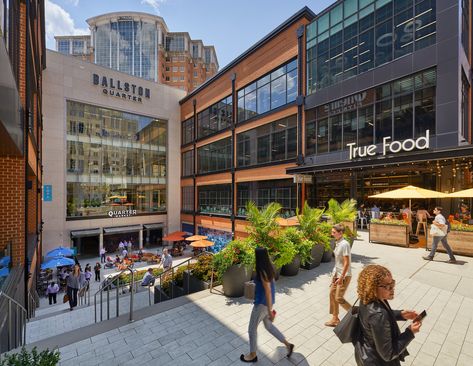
{"x": 231, "y": 26}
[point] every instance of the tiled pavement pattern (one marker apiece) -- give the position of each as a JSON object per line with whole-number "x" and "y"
{"x": 213, "y": 330}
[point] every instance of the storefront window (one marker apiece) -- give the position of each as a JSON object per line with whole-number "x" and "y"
{"x": 215, "y": 156}
{"x": 271, "y": 91}
{"x": 215, "y": 118}
{"x": 215, "y": 199}
{"x": 188, "y": 199}
{"x": 402, "y": 109}
{"x": 262, "y": 193}
{"x": 115, "y": 161}
{"x": 275, "y": 141}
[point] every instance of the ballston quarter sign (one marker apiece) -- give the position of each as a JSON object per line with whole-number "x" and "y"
{"x": 119, "y": 89}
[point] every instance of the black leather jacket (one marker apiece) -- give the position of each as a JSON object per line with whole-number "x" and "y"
{"x": 381, "y": 343}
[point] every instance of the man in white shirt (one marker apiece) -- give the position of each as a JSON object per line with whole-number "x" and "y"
{"x": 102, "y": 255}
{"x": 125, "y": 253}
{"x": 441, "y": 223}
{"x": 166, "y": 260}
{"x": 121, "y": 246}
{"x": 52, "y": 291}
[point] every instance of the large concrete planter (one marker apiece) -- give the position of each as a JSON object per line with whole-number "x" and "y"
{"x": 233, "y": 280}
{"x": 316, "y": 254}
{"x": 193, "y": 284}
{"x": 328, "y": 254}
{"x": 292, "y": 269}
{"x": 389, "y": 234}
{"x": 461, "y": 243}
{"x": 160, "y": 295}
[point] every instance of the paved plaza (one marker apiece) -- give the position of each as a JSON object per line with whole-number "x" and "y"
{"x": 212, "y": 329}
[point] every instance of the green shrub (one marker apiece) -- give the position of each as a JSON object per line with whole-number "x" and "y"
{"x": 240, "y": 251}
{"x": 302, "y": 246}
{"x": 33, "y": 358}
{"x": 202, "y": 269}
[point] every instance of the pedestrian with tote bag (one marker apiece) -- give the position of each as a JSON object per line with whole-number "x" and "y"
{"x": 263, "y": 305}
{"x": 380, "y": 341}
{"x": 341, "y": 275}
{"x": 439, "y": 232}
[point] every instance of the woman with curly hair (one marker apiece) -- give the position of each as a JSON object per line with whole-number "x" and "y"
{"x": 381, "y": 342}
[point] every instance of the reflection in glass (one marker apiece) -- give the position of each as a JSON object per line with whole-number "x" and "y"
{"x": 215, "y": 199}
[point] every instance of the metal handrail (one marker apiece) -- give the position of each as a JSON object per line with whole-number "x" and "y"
{"x": 32, "y": 305}
{"x": 108, "y": 287}
{"x": 17, "y": 331}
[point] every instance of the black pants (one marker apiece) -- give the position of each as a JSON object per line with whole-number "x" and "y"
{"x": 97, "y": 276}
{"x": 102, "y": 258}
{"x": 72, "y": 293}
{"x": 52, "y": 297}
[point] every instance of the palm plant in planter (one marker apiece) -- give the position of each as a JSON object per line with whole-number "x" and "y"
{"x": 265, "y": 232}
{"x": 311, "y": 227}
{"x": 344, "y": 213}
{"x": 302, "y": 248}
{"x": 233, "y": 266}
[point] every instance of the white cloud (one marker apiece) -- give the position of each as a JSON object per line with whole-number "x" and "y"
{"x": 59, "y": 23}
{"x": 155, "y": 4}
{"x": 74, "y": 2}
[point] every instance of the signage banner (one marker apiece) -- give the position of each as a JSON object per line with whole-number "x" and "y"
{"x": 390, "y": 147}
{"x": 121, "y": 213}
{"x": 47, "y": 193}
{"x": 118, "y": 88}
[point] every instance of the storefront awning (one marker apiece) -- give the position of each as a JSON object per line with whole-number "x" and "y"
{"x": 154, "y": 226}
{"x": 84, "y": 233}
{"x": 460, "y": 152}
{"x": 121, "y": 229}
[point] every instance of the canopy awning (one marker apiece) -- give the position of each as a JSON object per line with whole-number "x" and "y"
{"x": 84, "y": 233}
{"x": 154, "y": 226}
{"x": 121, "y": 229}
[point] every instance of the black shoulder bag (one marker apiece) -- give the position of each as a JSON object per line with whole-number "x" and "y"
{"x": 348, "y": 329}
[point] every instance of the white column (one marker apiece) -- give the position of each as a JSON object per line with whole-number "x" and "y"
{"x": 100, "y": 241}
{"x": 141, "y": 238}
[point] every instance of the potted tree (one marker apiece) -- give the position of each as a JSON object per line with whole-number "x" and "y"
{"x": 198, "y": 274}
{"x": 344, "y": 213}
{"x": 302, "y": 248}
{"x": 310, "y": 226}
{"x": 233, "y": 266}
{"x": 265, "y": 232}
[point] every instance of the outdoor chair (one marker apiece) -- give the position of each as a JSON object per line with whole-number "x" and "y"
{"x": 362, "y": 220}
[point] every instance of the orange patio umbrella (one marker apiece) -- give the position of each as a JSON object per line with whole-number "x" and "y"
{"x": 196, "y": 237}
{"x": 173, "y": 237}
{"x": 201, "y": 244}
{"x": 291, "y": 221}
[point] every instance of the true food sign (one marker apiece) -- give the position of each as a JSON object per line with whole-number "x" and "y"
{"x": 389, "y": 147}
{"x": 119, "y": 89}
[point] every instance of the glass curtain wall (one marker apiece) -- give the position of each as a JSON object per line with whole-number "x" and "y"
{"x": 402, "y": 109}
{"x": 272, "y": 142}
{"x": 262, "y": 193}
{"x": 188, "y": 163}
{"x": 215, "y": 118}
{"x": 358, "y": 35}
{"x": 214, "y": 157}
{"x": 128, "y": 46}
{"x": 215, "y": 199}
{"x": 271, "y": 91}
{"x": 188, "y": 199}
{"x": 115, "y": 161}
{"x": 187, "y": 131}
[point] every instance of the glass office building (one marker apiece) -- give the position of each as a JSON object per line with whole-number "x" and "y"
{"x": 115, "y": 161}
{"x": 129, "y": 46}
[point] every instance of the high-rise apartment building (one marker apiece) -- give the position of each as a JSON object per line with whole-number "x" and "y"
{"x": 141, "y": 45}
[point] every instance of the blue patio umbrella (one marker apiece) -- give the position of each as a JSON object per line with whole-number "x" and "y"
{"x": 5, "y": 261}
{"x": 4, "y": 272}
{"x": 58, "y": 262}
{"x": 60, "y": 251}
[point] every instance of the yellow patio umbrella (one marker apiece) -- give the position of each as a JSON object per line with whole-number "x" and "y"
{"x": 196, "y": 237}
{"x": 291, "y": 221}
{"x": 410, "y": 192}
{"x": 201, "y": 244}
{"x": 467, "y": 193}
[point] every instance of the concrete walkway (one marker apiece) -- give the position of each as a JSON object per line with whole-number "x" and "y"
{"x": 212, "y": 330}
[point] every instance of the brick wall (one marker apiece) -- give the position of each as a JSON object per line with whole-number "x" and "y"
{"x": 12, "y": 183}
{"x": 32, "y": 197}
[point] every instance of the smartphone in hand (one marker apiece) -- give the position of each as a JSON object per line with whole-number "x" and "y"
{"x": 420, "y": 316}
